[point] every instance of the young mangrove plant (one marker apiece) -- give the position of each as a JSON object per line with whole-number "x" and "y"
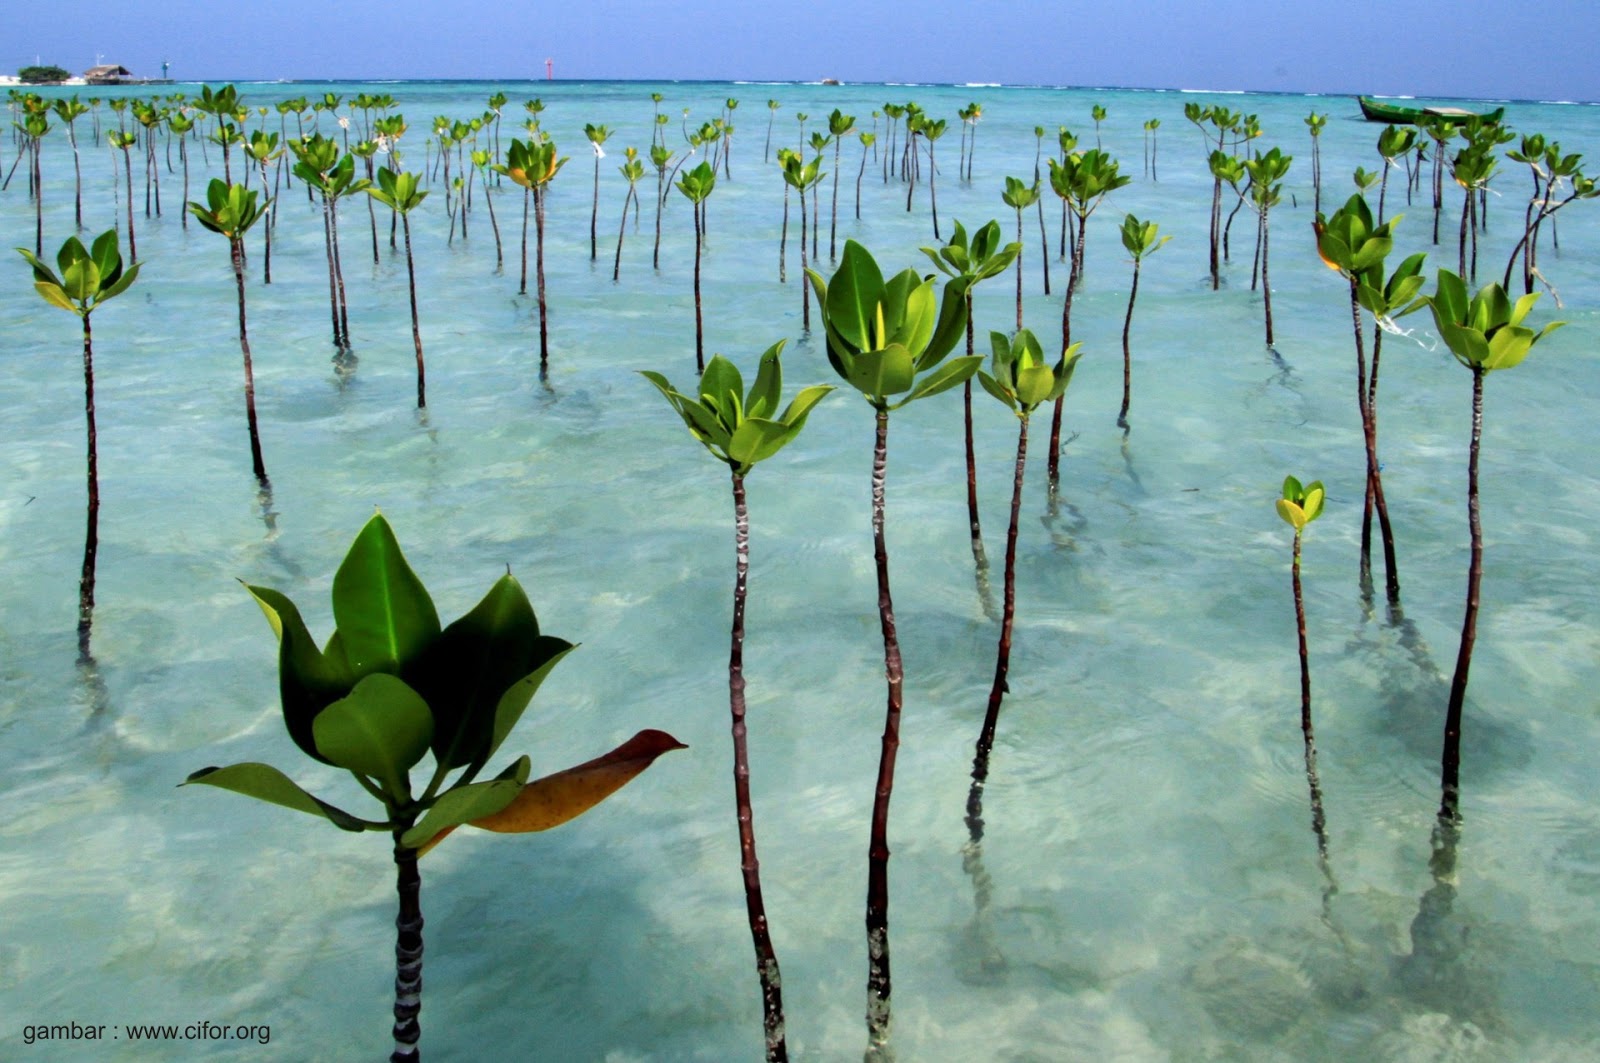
{"x": 1352, "y": 245}
{"x": 978, "y": 260}
{"x": 399, "y": 192}
{"x": 597, "y": 134}
{"x": 1299, "y": 505}
{"x": 69, "y": 111}
{"x": 332, "y": 175}
{"x": 263, "y": 149}
{"x": 1316, "y": 123}
{"x": 1019, "y": 197}
{"x": 1485, "y": 333}
{"x": 1023, "y": 379}
{"x": 1138, "y": 239}
{"x": 1266, "y": 191}
{"x": 123, "y": 142}
{"x": 1150, "y": 128}
{"x": 533, "y": 165}
{"x": 840, "y": 125}
{"x": 887, "y": 340}
{"x": 867, "y": 142}
{"x": 772, "y": 112}
{"x": 230, "y": 210}
{"x": 88, "y": 279}
{"x": 741, "y": 428}
{"x": 800, "y": 176}
{"x": 632, "y": 169}
{"x": 1394, "y": 142}
{"x": 390, "y": 687}
{"x": 1082, "y": 180}
{"x": 696, "y": 186}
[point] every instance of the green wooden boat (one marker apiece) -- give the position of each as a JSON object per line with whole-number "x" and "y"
{"x": 1394, "y": 114}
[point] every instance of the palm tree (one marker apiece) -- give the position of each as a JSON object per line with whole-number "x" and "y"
{"x": 409, "y": 687}
{"x": 740, "y": 428}
{"x": 230, "y": 210}
{"x": 1484, "y": 333}
{"x": 597, "y": 134}
{"x": 398, "y": 192}
{"x": 883, "y": 336}
{"x": 1138, "y": 239}
{"x": 87, "y": 280}
{"x": 696, "y": 186}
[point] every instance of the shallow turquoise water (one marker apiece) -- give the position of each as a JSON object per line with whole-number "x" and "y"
{"x": 1157, "y": 893}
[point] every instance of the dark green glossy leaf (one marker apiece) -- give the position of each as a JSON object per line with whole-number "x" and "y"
{"x": 515, "y": 700}
{"x": 380, "y": 730}
{"x": 383, "y": 612}
{"x": 266, "y": 783}
{"x": 463, "y": 804}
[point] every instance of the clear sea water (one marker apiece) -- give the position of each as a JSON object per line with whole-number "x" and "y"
{"x": 1157, "y": 892}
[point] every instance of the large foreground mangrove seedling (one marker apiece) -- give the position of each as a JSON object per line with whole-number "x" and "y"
{"x": 390, "y": 687}
{"x": 740, "y": 428}
{"x": 87, "y": 279}
{"x": 1485, "y": 333}
{"x": 887, "y": 340}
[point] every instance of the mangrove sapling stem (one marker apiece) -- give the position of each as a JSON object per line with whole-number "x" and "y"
{"x": 622, "y": 231}
{"x": 407, "y": 950}
{"x": 972, "y": 462}
{"x": 1053, "y": 462}
{"x": 1127, "y": 356}
{"x": 1305, "y": 660}
{"x": 699, "y": 324}
{"x": 416, "y": 328}
{"x": 538, "y": 255}
{"x": 1044, "y": 241}
{"x": 1375, "y": 499}
{"x": 338, "y": 273}
{"x": 494, "y": 224}
{"x": 236, "y": 248}
{"x": 772, "y": 1017}
{"x": 127, "y": 165}
{"x": 1450, "y": 781}
{"x": 91, "y": 536}
{"x": 805, "y": 289}
{"x": 878, "y": 972}
{"x": 522, "y": 286}
{"x": 1266, "y": 285}
{"x": 1002, "y": 663}
{"x": 783, "y": 240}
{"x": 272, "y": 210}
{"x": 333, "y": 290}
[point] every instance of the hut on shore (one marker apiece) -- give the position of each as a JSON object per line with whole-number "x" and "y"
{"x": 107, "y": 75}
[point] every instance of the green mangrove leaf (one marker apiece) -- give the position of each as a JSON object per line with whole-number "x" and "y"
{"x": 380, "y": 730}
{"x": 266, "y": 783}
{"x": 514, "y": 701}
{"x": 383, "y": 612}
{"x": 462, "y": 804}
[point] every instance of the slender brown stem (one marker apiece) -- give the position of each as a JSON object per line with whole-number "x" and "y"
{"x": 1305, "y": 661}
{"x": 1451, "y": 761}
{"x": 699, "y": 324}
{"x": 538, "y": 256}
{"x": 407, "y": 952}
{"x": 416, "y": 327}
{"x": 91, "y": 537}
{"x": 766, "y": 958}
{"x": 972, "y": 462}
{"x": 1361, "y": 405}
{"x": 1002, "y": 663}
{"x": 1127, "y": 356}
{"x": 236, "y": 245}
{"x": 878, "y": 975}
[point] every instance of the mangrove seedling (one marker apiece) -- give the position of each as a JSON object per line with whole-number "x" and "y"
{"x": 123, "y": 142}
{"x": 696, "y": 186}
{"x": 840, "y": 125}
{"x": 69, "y": 111}
{"x": 399, "y": 192}
{"x": 1138, "y": 239}
{"x": 802, "y": 177}
{"x": 1019, "y": 197}
{"x": 263, "y": 149}
{"x": 88, "y": 278}
{"x": 597, "y": 134}
{"x": 887, "y": 340}
{"x": 1023, "y": 379}
{"x": 1485, "y": 333}
{"x": 230, "y": 210}
{"x": 1266, "y": 191}
{"x": 390, "y": 687}
{"x": 632, "y": 169}
{"x": 741, "y": 428}
{"x": 1298, "y": 506}
{"x": 533, "y": 165}
{"x": 1316, "y": 123}
{"x": 1394, "y": 142}
{"x": 867, "y": 142}
{"x": 1352, "y": 245}
{"x": 978, "y": 260}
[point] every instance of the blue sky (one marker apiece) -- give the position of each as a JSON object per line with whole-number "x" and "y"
{"x": 1472, "y": 48}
